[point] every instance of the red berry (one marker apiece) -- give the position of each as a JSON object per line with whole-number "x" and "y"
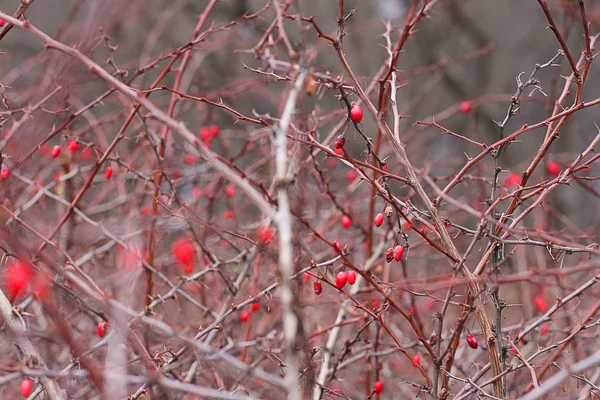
{"x": 471, "y": 341}
{"x": 540, "y": 303}
{"x": 417, "y": 359}
{"x": 244, "y": 316}
{"x": 184, "y": 251}
{"x": 339, "y": 142}
{"x": 553, "y": 168}
{"x": 307, "y": 277}
{"x": 317, "y": 287}
{"x": 350, "y": 176}
{"x": 55, "y": 151}
{"x": 346, "y": 221}
{"x": 352, "y": 277}
{"x": 101, "y": 329}
{"x": 339, "y": 152}
{"x": 26, "y": 384}
{"x": 86, "y": 154}
{"x": 378, "y": 387}
{"x": 230, "y": 191}
{"x": 255, "y": 307}
{"x": 16, "y": 277}
{"x": 512, "y": 180}
{"x": 73, "y": 146}
{"x": 465, "y": 107}
{"x": 44, "y": 150}
{"x": 398, "y": 251}
{"x": 1, "y": 22}
{"x": 145, "y": 210}
{"x": 379, "y": 219}
{"x": 189, "y": 159}
{"x": 337, "y": 246}
{"x": 544, "y": 329}
{"x": 341, "y": 279}
{"x": 4, "y": 173}
{"x": 108, "y": 173}
{"x": 356, "y": 113}
{"x": 265, "y": 235}
{"x": 205, "y": 134}
{"x": 228, "y": 214}
{"x": 214, "y": 130}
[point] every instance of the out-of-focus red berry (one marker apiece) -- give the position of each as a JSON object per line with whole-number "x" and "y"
{"x": 465, "y": 107}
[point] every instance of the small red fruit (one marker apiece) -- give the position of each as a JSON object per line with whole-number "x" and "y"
{"x": 26, "y": 384}
{"x": 184, "y": 251}
{"x": 189, "y": 159}
{"x": 4, "y": 173}
{"x": 351, "y": 277}
{"x": 101, "y": 329}
{"x": 340, "y": 141}
{"x": 540, "y": 303}
{"x": 346, "y": 221}
{"x": 86, "y": 154}
{"x": 55, "y": 151}
{"x": 317, "y": 287}
{"x": 512, "y": 180}
{"x": 214, "y": 130}
{"x": 244, "y": 316}
{"x": 230, "y": 191}
{"x": 17, "y": 276}
{"x": 356, "y": 113}
{"x": 108, "y": 173}
{"x": 228, "y": 214}
{"x": 553, "y": 168}
{"x": 1, "y": 22}
{"x": 350, "y": 176}
{"x": 341, "y": 280}
{"x": 417, "y": 359}
{"x": 378, "y": 387}
{"x": 465, "y": 107}
{"x": 544, "y": 329}
{"x": 379, "y": 219}
{"x": 255, "y": 307}
{"x": 398, "y": 251}
{"x": 205, "y": 134}
{"x": 337, "y": 246}
{"x": 265, "y": 235}
{"x": 471, "y": 341}
{"x": 73, "y": 146}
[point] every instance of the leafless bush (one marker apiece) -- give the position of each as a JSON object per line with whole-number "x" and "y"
{"x": 223, "y": 199}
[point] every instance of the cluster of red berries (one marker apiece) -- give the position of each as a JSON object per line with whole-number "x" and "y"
{"x": 208, "y": 133}
{"x": 345, "y": 277}
{"x": 245, "y": 314}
